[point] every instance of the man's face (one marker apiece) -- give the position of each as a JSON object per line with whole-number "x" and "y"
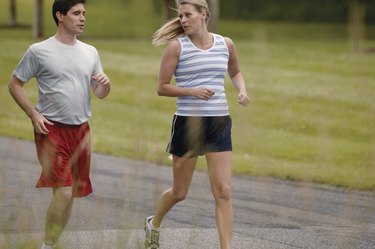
{"x": 74, "y": 21}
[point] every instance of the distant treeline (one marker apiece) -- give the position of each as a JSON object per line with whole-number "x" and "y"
{"x": 295, "y": 10}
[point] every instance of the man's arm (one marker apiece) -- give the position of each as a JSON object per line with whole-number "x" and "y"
{"x": 16, "y": 89}
{"x": 102, "y": 87}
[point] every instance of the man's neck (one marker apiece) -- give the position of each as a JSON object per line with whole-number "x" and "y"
{"x": 65, "y": 38}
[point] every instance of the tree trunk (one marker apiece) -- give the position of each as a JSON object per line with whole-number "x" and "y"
{"x": 357, "y": 24}
{"x": 169, "y": 12}
{"x": 38, "y": 19}
{"x": 215, "y": 10}
{"x": 13, "y": 14}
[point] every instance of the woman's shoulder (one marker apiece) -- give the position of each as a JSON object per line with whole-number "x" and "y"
{"x": 173, "y": 47}
{"x": 174, "y": 44}
{"x": 227, "y": 40}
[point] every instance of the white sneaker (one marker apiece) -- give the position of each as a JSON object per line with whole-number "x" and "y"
{"x": 152, "y": 234}
{"x": 44, "y": 246}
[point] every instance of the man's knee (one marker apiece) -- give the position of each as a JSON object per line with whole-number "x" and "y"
{"x": 64, "y": 194}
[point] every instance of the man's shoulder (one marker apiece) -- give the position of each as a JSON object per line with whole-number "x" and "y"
{"x": 42, "y": 43}
{"x": 87, "y": 47}
{"x": 84, "y": 44}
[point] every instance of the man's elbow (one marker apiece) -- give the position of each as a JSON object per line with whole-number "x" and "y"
{"x": 12, "y": 85}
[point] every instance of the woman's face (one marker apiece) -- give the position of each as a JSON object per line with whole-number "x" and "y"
{"x": 191, "y": 19}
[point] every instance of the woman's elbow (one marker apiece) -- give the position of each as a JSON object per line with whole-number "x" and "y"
{"x": 161, "y": 91}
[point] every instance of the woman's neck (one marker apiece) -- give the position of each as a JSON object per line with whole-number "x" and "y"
{"x": 203, "y": 40}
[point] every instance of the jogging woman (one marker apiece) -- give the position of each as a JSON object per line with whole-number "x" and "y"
{"x": 199, "y": 61}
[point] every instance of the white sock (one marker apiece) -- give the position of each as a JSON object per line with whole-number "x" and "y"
{"x": 44, "y": 246}
{"x": 153, "y": 227}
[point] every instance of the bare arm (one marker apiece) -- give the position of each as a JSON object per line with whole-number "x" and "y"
{"x": 102, "y": 87}
{"x": 235, "y": 74}
{"x": 16, "y": 89}
{"x": 167, "y": 68}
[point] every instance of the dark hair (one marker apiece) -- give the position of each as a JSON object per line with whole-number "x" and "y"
{"x": 63, "y": 6}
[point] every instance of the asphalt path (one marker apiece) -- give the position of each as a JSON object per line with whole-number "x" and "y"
{"x": 268, "y": 213}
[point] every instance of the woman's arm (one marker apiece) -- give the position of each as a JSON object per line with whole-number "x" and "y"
{"x": 235, "y": 73}
{"x": 167, "y": 68}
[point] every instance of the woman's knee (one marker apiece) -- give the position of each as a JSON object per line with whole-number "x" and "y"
{"x": 179, "y": 195}
{"x": 222, "y": 192}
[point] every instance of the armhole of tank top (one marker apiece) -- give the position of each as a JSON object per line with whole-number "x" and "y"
{"x": 226, "y": 45}
{"x": 181, "y": 47}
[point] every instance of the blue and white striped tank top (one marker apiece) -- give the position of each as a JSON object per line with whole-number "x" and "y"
{"x": 202, "y": 68}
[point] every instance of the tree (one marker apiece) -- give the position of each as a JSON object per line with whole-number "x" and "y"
{"x": 169, "y": 11}
{"x": 13, "y": 14}
{"x": 357, "y": 24}
{"x": 214, "y": 8}
{"x": 38, "y": 19}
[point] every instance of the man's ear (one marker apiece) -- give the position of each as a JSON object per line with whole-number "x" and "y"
{"x": 59, "y": 16}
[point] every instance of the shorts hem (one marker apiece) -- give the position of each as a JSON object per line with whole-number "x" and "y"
{"x": 192, "y": 154}
{"x": 75, "y": 195}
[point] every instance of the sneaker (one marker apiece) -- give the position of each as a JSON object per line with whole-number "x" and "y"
{"x": 152, "y": 234}
{"x": 44, "y": 246}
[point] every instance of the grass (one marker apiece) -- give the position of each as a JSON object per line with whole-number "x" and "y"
{"x": 312, "y": 116}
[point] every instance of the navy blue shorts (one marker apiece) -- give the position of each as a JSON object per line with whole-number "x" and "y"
{"x": 194, "y": 136}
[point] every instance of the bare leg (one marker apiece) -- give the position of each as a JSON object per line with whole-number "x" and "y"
{"x": 219, "y": 166}
{"x": 58, "y": 214}
{"x": 183, "y": 169}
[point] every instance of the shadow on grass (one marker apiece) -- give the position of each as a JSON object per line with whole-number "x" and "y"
{"x": 17, "y": 26}
{"x": 369, "y": 50}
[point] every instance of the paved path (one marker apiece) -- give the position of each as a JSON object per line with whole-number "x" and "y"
{"x": 268, "y": 213}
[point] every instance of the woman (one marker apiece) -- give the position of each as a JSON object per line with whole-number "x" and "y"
{"x": 199, "y": 61}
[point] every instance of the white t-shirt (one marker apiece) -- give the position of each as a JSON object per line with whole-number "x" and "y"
{"x": 64, "y": 79}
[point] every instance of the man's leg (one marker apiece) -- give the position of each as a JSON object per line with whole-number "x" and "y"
{"x": 58, "y": 214}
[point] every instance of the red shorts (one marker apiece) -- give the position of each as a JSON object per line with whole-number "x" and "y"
{"x": 64, "y": 154}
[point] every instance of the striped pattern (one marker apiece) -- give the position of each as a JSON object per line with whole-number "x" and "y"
{"x": 202, "y": 68}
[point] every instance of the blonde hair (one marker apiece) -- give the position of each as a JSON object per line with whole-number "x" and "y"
{"x": 173, "y": 29}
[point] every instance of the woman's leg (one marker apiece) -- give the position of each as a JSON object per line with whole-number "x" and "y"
{"x": 219, "y": 166}
{"x": 183, "y": 169}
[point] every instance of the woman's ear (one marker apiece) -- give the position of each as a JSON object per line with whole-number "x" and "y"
{"x": 204, "y": 14}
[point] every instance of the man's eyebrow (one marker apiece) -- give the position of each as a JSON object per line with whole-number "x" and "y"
{"x": 79, "y": 11}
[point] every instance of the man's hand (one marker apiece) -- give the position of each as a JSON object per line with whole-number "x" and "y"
{"x": 38, "y": 121}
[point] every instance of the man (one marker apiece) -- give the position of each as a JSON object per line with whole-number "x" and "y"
{"x": 66, "y": 69}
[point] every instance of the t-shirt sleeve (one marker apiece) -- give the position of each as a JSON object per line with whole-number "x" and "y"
{"x": 98, "y": 69}
{"x": 28, "y": 66}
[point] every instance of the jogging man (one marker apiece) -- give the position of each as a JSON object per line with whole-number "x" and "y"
{"x": 66, "y": 70}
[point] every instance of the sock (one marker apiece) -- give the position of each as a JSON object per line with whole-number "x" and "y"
{"x": 154, "y": 227}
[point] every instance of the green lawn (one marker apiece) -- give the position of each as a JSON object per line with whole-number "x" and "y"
{"x": 312, "y": 115}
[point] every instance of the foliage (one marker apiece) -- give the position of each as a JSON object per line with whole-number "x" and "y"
{"x": 293, "y": 10}
{"x": 312, "y": 115}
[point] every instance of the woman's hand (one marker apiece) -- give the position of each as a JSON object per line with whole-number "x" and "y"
{"x": 202, "y": 93}
{"x": 243, "y": 99}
